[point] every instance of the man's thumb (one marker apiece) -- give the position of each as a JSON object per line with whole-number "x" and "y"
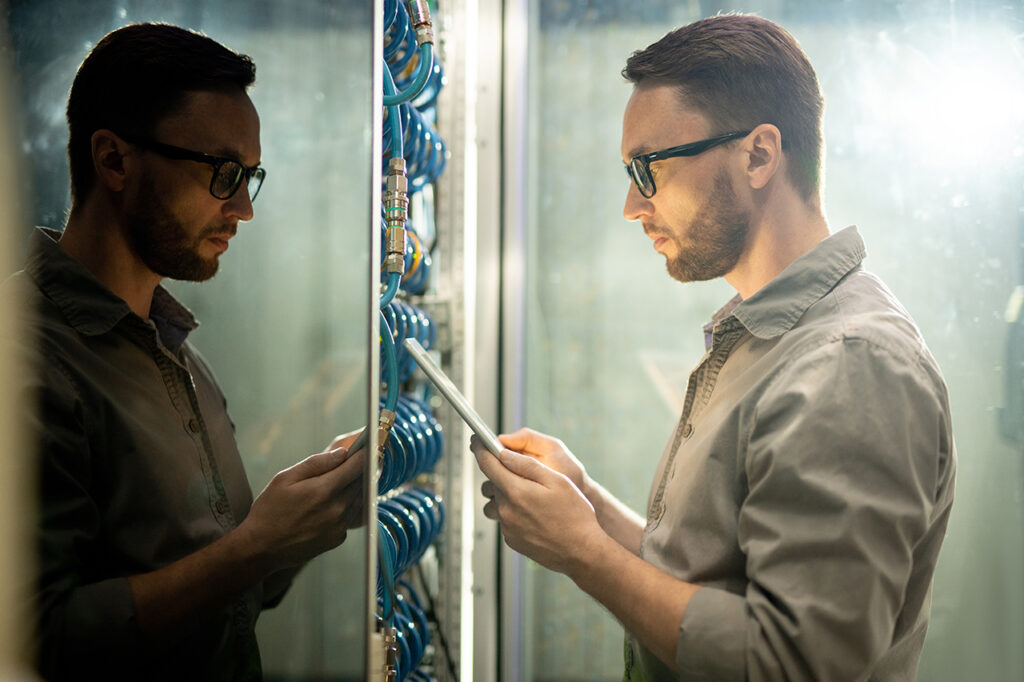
{"x": 316, "y": 465}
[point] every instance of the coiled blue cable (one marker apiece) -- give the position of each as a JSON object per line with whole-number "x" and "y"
{"x": 396, "y": 32}
{"x": 390, "y": 363}
{"x": 411, "y": 521}
{"x": 426, "y": 154}
{"x": 417, "y": 264}
{"x": 387, "y": 557}
{"x": 414, "y": 446}
{"x": 408, "y": 321}
{"x": 423, "y": 70}
{"x": 407, "y": 525}
{"x": 402, "y": 52}
{"x": 390, "y": 14}
{"x": 399, "y": 48}
{"x": 428, "y": 98}
{"x": 408, "y": 522}
{"x": 394, "y": 280}
{"x": 395, "y": 126}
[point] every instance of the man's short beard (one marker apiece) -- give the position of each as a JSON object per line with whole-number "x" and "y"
{"x": 715, "y": 239}
{"x": 162, "y": 242}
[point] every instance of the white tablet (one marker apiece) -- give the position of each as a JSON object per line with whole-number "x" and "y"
{"x": 452, "y": 395}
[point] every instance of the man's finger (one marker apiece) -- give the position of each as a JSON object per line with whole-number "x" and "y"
{"x": 316, "y": 465}
{"x": 345, "y": 439}
{"x": 529, "y": 442}
{"x": 350, "y": 470}
{"x": 525, "y": 466}
{"x": 490, "y": 465}
{"x": 488, "y": 489}
{"x": 519, "y": 440}
{"x": 355, "y": 510}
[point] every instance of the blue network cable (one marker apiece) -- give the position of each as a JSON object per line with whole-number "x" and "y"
{"x": 413, "y": 28}
{"x": 410, "y": 439}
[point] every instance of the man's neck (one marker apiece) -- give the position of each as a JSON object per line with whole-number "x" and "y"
{"x": 98, "y": 241}
{"x": 781, "y": 230}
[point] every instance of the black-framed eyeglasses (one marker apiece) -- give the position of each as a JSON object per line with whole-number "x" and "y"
{"x": 639, "y": 167}
{"x": 228, "y": 174}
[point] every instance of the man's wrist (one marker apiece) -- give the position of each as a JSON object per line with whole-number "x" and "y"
{"x": 255, "y": 560}
{"x": 591, "y": 550}
{"x": 594, "y": 493}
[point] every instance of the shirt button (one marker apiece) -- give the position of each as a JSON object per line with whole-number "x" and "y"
{"x": 687, "y": 430}
{"x": 193, "y": 426}
{"x": 221, "y": 507}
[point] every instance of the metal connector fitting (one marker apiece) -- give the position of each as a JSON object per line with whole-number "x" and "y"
{"x": 394, "y": 240}
{"x": 396, "y": 195}
{"x": 424, "y": 35}
{"x": 396, "y": 166}
{"x": 387, "y": 420}
{"x": 390, "y": 654}
{"x": 419, "y": 17}
{"x": 394, "y": 263}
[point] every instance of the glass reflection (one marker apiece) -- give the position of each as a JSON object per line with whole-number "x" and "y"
{"x": 284, "y": 323}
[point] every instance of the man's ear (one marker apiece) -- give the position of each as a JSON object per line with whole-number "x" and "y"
{"x": 764, "y": 154}
{"x": 108, "y": 159}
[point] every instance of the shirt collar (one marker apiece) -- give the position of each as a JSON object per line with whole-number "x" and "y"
{"x": 86, "y": 303}
{"x": 775, "y": 308}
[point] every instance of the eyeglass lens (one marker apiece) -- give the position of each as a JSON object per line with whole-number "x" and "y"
{"x": 641, "y": 177}
{"x": 230, "y": 176}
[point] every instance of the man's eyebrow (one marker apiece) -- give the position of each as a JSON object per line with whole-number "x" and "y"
{"x": 637, "y": 151}
{"x": 230, "y": 153}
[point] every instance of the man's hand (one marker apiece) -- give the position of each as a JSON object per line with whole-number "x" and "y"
{"x": 542, "y": 512}
{"x": 355, "y": 517}
{"x": 545, "y": 516}
{"x": 551, "y": 452}
{"x": 345, "y": 440}
{"x": 307, "y": 509}
{"x": 304, "y": 511}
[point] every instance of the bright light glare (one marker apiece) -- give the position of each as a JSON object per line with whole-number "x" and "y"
{"x": 950, "y": 109}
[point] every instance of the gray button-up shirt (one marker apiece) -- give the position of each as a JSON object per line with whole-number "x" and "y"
{"x": 808, "y": 484}
{"x": 138, "y": 468}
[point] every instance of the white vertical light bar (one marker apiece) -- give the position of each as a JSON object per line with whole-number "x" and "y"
{"x": 376, "y": 130}
{"x": 465, "y": 101}
{"x": 515, "y": 149}
{"x": 487, "y": 216}
{"x": 455, "y": 255}
{"x": 469, "y": 278}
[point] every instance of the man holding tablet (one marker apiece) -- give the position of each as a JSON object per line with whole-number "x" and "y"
{"x": 796, "y": 516}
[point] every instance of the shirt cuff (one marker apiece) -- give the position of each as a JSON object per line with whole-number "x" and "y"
{"x": 713, "y": 637}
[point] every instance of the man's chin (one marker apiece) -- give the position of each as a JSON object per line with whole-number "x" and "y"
{"x": 196, "y": 270}
{"x": 686, "y": 272}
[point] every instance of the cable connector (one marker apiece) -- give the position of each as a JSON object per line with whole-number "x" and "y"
{"x": 419, "y": 17}
{"x": 396, "y": 211}
{"x": 394, "y": 239}
{"x": 391, "y": 652}
{"x": 396, "y": 195}
{"x": 387, "y": 420}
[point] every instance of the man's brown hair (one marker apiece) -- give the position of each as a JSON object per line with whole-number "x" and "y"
{"x": 740, "y": 71}
{"x": 136, "y": 76}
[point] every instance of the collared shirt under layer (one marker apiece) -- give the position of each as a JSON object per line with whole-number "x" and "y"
{"x": 138, "y": 468}
{"x": 807, "y": 486}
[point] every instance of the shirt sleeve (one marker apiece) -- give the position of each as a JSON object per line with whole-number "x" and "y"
{"x": 85, "y": 620}
{"x": 847, "y": 452}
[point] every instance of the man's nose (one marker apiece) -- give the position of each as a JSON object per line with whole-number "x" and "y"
{"x": 637, "y": 205}
{"x": 239, "y": 205}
